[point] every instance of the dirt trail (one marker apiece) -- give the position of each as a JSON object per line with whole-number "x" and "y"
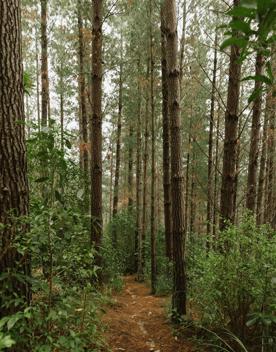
{"x": 137, "y": 322}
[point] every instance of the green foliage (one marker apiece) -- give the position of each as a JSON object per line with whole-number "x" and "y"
{"x": 164, "y": 266}
{"x": 252, "y": 25}
{"x": 235, "y": 279}
{"x": 28, "y": 84}
{"x": 122, "y": 260}
{"x": 5, "y": 341}
{"x": 252, "y": 29}
{"x": 64, "y": 312}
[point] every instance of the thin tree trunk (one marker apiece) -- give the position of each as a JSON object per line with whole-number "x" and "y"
{"x": 37, "y": 79}
{"x": 166, "y": 144}
{"x": 227, "y": 204}
{"x": 270, "y": 210}
{"x": 118, "y": 152}
{"x": 14, "y": 191}
{"x": 111, "y": 183}
{"x": 254, "y": 141}
{"x": 187, "y": 180}
{"x": 193, "y": 194}
{"x": 237, "y": 171}
{"x": 145, "y": 170}
{"x": 44, "y": 66}
{"x": 84, "y": 162}
{"x": 153, "y": 171}
{"x": 140, "y": 271}
{"x": 216, "y": 193}
{"x": 96, "y": 132}
{"x": 177, "y": 178}
{"x": 130, "y": 168}
{"x": 210, "y": 200}
{"x": 260, "y": 196}
{"x": 61, "y": 98}
{"x": 182, "y": 47}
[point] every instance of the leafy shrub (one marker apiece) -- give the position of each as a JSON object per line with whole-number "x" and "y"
{"x": 230, "y": 283}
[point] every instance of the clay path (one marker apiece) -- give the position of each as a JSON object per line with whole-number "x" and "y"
{"x": 137, "y": 322}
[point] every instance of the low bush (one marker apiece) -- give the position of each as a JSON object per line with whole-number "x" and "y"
{"x": 233, "y": 285}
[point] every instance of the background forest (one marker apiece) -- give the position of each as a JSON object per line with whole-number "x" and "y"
{"x": 137, "y": 138}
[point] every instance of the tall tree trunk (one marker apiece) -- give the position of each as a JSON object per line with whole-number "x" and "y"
{"x": 254, "y": 140}
{"x": 227, "y": 203}
{"x": 187, "y": 180}
{"x": 261, "y": 184}
{"x": 84, "y": 162}
{"x": 37, "y": 78}
{"x": 216, "y": 193}
{"x": 270, "y": 210}
{"x": 192, "y": 199}
{"x": 182, "y": 47}
{"x": 118, "y": 151}
{"x": 96, "y": 130}
{"x": 14, "y": 191}
{"x": 61, "y": 102}
{"x": 166, "y": 144}
{"x": 177, "y": 178}
{"x": 44, "y": 66}
{"x": 111, "y": 182}
{"x": 130, "y": 167}
{"x": 237, "y": 168}
{"x": 140, "y": 271}
{"x": 210, "y": 200}
{"x": 145, "y": 169}
{"x": 153, "y": 171}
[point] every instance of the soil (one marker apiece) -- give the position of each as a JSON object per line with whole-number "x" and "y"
{"x": 137, "y": 322}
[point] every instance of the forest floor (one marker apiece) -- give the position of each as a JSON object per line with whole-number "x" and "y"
{"x": 137, "y": 322}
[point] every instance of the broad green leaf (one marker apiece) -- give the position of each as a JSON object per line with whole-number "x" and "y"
{"x": 240, "y": 42}
{"x": 254, "y": 95}
{"x": 269, "y": 71}
{"x": 240, "y": 11}
{"x": 241, "y": 26}
{"x": 14, "y": 319}
{"x": 259, "y": 78}
{"x": 6, "y": 342}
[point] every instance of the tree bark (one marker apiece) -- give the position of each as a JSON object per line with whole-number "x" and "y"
{"x": 145, "y": 169}
{"x": 118, "y": 150}
{"x": 216, "y": 178}
{"x": 61, "y": 104}
{"x": 227, "y": 203}
{"x": 140, "y": 271}
{"x": 166, "y": 144}
{"x": 254, "y": 140}
{"x": 182, "y": 47}
{"x": 262, "y": 175}
{"x": 111, "y": 182}
{"x": 37, "y": 78}
{"x": 84, "y": 162}
{"x": 14, "y": 191}
{"x": 177, "y": 177}
{"x": 270, "y": 210}
{"x": 130, "y": 167}
{"x": 210, "y": 200}
{"x": 44, "y": 66}
{"x": 96, "y": 130}
{"x": 153, "y": 171}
